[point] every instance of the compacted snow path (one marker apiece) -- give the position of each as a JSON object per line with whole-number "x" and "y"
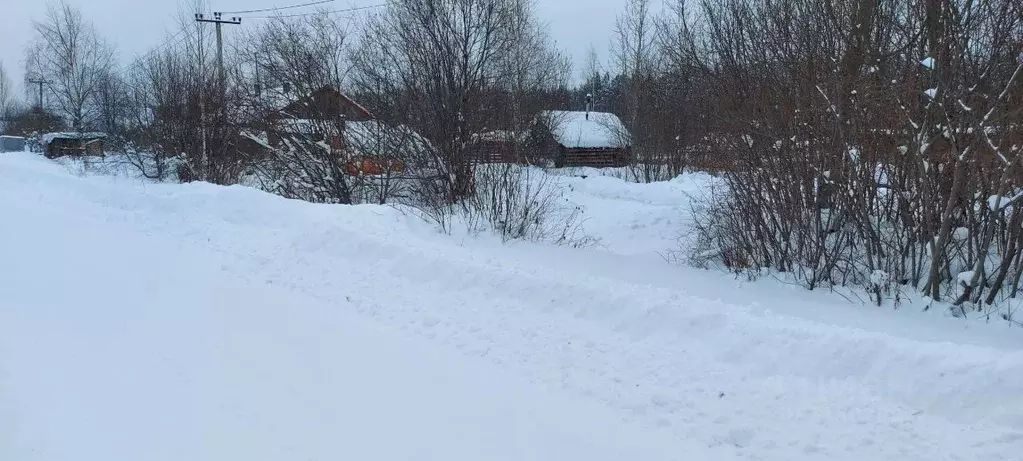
{"x": 202, "y": 322}
{"x": 122, "y": 344}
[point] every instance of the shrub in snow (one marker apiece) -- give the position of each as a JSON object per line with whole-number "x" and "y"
{"x": 517, "y": 203}
{"x": 901, "y": 180}
{"x": 880, "y": 282}
{"x": 965, "y": 278}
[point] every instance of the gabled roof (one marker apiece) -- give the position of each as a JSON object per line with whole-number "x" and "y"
{"x": 580, "y": 130}
{"x": 374, "y": 136}
{"x": 356, "y": 105}
{"x": 365, "y": 136}
{"x": 296, "y": 103}
{"x": 499, "y": 136}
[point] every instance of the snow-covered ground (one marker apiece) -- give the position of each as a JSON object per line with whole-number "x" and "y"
{"x": 633, "y": 219}
{"x": 170, "y": 322}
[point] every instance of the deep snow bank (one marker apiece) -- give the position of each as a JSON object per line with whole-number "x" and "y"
{"x": 120, "y": 340}
{"x": 232, "y": 288}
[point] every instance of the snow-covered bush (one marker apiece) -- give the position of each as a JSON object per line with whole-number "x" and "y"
{"x": 523, "y": 202}
{"x": 854, "y": 161}
{"x": 515, "y": 202}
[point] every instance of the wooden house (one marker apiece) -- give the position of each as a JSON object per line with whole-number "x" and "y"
{"x": 329, "y": 118}
{"x": 72, "y": 143}
{"x": 327, "y": 102}
{"x": 585, "y": 138}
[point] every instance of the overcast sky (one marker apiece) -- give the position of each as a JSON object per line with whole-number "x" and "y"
{"x": 135, "y": 26}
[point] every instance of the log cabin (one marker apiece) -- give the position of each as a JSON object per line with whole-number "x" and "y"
{"x": 586, "y": 138}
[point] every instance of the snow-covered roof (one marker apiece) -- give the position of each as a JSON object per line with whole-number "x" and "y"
{"x": 366, "y": 136}
{"x": 281, "y": 100}
{"x": 47, "y": 138}
{"x": 499, "y": 136}
{"x": 258, "y": 137}
{"x": 373, "y": 135}
{"x": 595, "y": 130}
{"x": 303, "y": 125}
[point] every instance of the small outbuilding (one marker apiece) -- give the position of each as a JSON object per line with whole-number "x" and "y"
{"x": 585, "y": 138}
{"x": 72, "y": 143}
{"x": 12, "y": 143}
{"x": 500, "y": 147}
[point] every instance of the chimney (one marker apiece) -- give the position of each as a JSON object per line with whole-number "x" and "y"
{"x": 589, "y": 104}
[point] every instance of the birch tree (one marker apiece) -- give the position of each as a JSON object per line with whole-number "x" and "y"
{"x": 70, "y": 54}
{"x": 6, "y": 95}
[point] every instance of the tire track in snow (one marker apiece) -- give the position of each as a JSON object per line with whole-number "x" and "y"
{"x": 765, "y": 387}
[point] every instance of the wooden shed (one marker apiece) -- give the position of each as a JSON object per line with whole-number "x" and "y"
{"x": 72, "y": 143}
{"x": 584, "y": 138}
{"x": 499, "y": 147}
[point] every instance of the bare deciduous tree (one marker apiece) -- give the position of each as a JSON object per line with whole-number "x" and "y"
{"x": 437, "y": 63}
{"x": 869, "y": 143}
{"x": 654, "y": 91}
{"x": 112, "y": 105}
{"x": 70, "y": 53}
{"x": 288, "y": 61}
{"x": 633, "y": 50}
{"x": 6, "y": 95}
{"x": 163, "y": 113}
{"x": 175, "y": 122}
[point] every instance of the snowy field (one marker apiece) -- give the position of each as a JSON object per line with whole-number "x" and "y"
{"x": 145, "y": 321}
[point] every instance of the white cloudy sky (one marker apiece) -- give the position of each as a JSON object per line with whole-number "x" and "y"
{"x": 137, "y": 25}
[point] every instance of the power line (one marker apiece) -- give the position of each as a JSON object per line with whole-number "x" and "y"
{"x": 172, "y": 40}
{"x": 177, "y": 37}
{"x": 162, "y": 44}
{"x": 346, "y": 10}
{"x": 279, "y": 7}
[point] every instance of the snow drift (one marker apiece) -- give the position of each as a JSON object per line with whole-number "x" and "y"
{"x": 142, "y": 321}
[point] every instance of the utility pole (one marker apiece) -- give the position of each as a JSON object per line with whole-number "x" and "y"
{"x": 40, "y": 82}
{"x": 219, "y": 21}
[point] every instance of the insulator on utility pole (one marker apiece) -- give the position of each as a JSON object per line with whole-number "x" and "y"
{"x": 219, "y": 21}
